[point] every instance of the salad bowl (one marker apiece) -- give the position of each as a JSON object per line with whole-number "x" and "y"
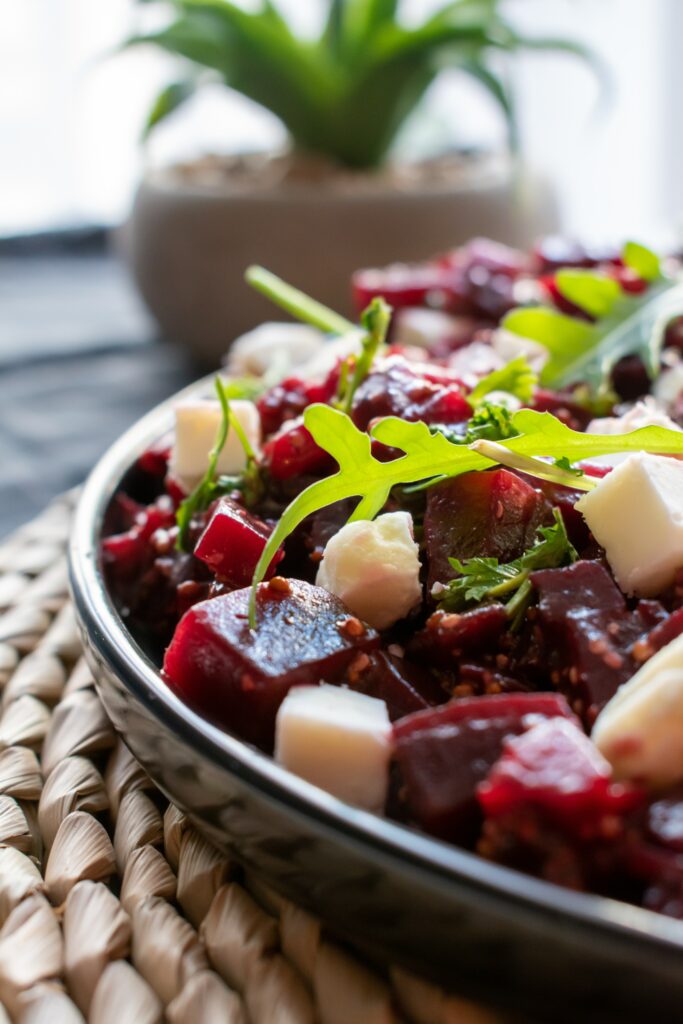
{"x": 404, "y": 898}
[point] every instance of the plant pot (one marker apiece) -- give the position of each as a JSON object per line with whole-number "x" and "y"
{"x": 194, "y": 229}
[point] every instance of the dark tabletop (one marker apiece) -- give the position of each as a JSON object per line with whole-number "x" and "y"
{"x": 79, "y": 362}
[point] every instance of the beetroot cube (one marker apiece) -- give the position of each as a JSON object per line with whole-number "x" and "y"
{"x": 293, "y": 452}
{"x": 587, "y": 632}
{"x": 238, "y": 677}
{"x": 494, "y": 514}
{"x": 556, "y": 768}
{"x": 404, "y": 686}
{"x": 233, "y": 542}
{"x": 449, "y": 635}
{"x": 445, "y": 752}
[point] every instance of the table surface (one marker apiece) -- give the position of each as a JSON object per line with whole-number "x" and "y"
{"x": 79, "y": 362}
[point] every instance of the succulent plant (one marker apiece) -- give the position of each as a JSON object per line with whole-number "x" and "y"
{"x": 345, "y": 94}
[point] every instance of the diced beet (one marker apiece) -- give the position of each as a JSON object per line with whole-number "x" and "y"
{"x": 289, "y": 398}
{"x": 489, "y": 254}
{"x": 293, "y": 452}
{"x": 448, "y": 635}
{"x": 492, "y": 514}
{"x": 396, "y": 388}
{"x": 674, "y": 334}
{"x": 630, "y": 378}
{"x": 628, "y": 280}
{"x": 661, "y": 634}
{"x": 556, "y": 768}
{"x": 565, "y": 499}
{"x": 587, "y": 633}
{"x": 404, "y": 686}
{"x": 555, "y": 252}
{"x": 561, "y": 405}
{"x": 124, "y": 554}
{"x": 238, "y": 677}
{"x": 407, "y": 284}
{"x": 154, "y": 460}
{"x": 445, "y": 752}
{"x": 232, "y": 543}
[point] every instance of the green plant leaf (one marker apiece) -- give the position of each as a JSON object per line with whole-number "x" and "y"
{"x": 643, "y": 261}
{"x": 516, "y": 378}
{"x": 595, "y": 293}
{"x": 170, "y": 99}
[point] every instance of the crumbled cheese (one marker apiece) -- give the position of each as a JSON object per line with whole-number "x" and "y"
{"x": 669, "y": 385}
{"x": 509, "y": 345}
{"x": 636, "y": 514}
{"x": 640, "y": 730}
{"x": 283, "y": 345}
{"x": 374, "y": 567}
{"x": 197, "y": 424}
{"x": 337, "y": 739}
{"x": 423, "y": 327}
{"x": 474, "y": 361}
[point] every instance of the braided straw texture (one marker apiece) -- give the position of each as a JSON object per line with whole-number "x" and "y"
{"x": 112, "y": 908}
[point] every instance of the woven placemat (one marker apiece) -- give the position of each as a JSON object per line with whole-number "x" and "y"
{"x": 113, "y": 909}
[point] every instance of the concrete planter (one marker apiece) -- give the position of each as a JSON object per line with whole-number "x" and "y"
{"x": 190, "y": 239}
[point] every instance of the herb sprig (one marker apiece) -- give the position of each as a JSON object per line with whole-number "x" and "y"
{"x": 432, "y": 457}
{"x": 486, "y": 579}
{"x": 212, "y": 486}
{"x": 516, "y": 378}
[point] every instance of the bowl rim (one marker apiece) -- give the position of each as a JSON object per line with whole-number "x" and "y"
{"x": 438, "y": 862}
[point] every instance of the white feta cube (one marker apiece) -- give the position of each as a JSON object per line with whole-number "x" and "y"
{"x": 283, "y": 345}
{"x": 509, "y": 345}
{"x": 669, "y": 385}
{"x": 647, "y": 413}
{"x": 337, "y": 739}
{"x": 640, "y": 730}
{"x": 374, "y": 567}
{"x": 423, "y": 327}
{"x": 196, "y": 426}
{"x": 636, "y": 514}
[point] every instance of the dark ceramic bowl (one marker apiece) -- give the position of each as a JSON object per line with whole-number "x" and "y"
{"x": 485, "y": 930}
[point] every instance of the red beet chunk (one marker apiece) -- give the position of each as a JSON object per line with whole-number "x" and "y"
{"x": 395, "y": 388}
{"x": 293, "y": 452}
{"x": 446, "y": 752}
{"x": 587, "y": 634}
{"x": 125, "y": 554}
{"x": 563, "y": 406}
{"x": 493, "y": 514}
{"x": 489, "y": 255}
{"x": 666, "y": 630}
{"x": 404, "y": 686}
{"x": 552, "y": 290}
{"x": 233, "y": 542}
{"x": 630, "y": 378}
{"x": 154, "y": 461}
{"x": 404, "y": 284}
{"x": 554, "y": 767}
{"x": 289, "y": 398}
{"x": 238, "y": 677}
{"x": 449, "y": 635}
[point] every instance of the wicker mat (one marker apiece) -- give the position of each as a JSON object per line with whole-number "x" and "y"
{"x": 112, "y": 908}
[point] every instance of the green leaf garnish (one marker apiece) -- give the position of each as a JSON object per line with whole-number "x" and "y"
{"x": 490, "y": 422}
{"x": 584, "y": 353}
{"x": 566, "y": 465}
{"x": 516, "y": 378}
{"x": 486, "y": 580}
{"x": 296, "y": 302}
{"x": 375, "y": 319}
{"x": 642, "y": 261}
{"x": 202, "y": 495}
{"x": 432, "y": 457}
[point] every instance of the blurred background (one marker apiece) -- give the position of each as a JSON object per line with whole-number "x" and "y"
{"x": 599, "y": 158}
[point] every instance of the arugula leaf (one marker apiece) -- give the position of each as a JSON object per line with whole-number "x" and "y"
{"x": 375, "y": 319}
{"x": 643, "y": 261}
{"x": 582, "y": 352}
{"x": 490, "y": 422}
{"x": 485, "y": 579}
{"x": 516, "y": 378}
{"x": 593, "y": 292}
{"x": 564, "y": 464}
{"x": 203, "y": 493}
{"x": 432, "y": 457}
{"x": 297, "y": 302}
